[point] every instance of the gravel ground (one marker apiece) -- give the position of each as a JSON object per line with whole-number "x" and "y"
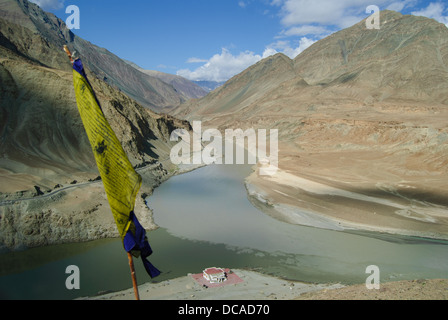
{"x": 256, "y": 286}
{"x": 436, "y": 289}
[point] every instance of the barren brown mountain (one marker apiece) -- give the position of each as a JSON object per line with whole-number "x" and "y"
{"x": 361, "y": 116}
{"x": 183, "y": 86}
{"x": 39, "y": 35}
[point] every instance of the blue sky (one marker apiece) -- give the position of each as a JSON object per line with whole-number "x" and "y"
{"x": 216, "y": 39}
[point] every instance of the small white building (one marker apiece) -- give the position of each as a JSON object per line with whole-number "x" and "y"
{"x": 214, "y": 275}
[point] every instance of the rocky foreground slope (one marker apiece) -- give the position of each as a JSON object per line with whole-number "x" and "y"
{"x": 50, "y": 185}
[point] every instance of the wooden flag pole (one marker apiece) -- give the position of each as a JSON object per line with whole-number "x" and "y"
{"x": 131, "y": 262}
{"x": 134, "y": 279}
{"x": 69, "y": 54}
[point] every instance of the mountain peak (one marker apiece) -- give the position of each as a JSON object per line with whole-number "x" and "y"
{"x": 243, "y": 89}
{"x": 406, "y": 54}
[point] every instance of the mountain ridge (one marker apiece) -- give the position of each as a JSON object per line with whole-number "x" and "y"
{"x": 187, "y": 88}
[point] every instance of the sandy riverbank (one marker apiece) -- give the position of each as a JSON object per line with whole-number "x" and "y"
{"x": 352, "y": 191}
{"x": 255, "y": 286}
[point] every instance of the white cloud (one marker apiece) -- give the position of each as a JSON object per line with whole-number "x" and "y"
{"x": 270, "y": 51}
{"x": 434, "y": 11}
{"x": 163, "y": 66}
{"x": 49, "y": 4}
{"x": 400, "y": 5}
{"x": 196, "y": 60}
{"x": 221, "y": 67}
{"x": 341, "y": 13}
{"x": 286, "y": 48}
{"x": 305, "y": 30}
{"x": 244, "y": 3}
{"x": 277, "y": 2}
{"x": 305, "y": 43}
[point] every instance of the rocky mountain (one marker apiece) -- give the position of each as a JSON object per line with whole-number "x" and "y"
{"x": 407, "y": 59}
{"x": 40, "y": 124}
{"x": 49, "y": 180}
{"x": 405, "y": 62}
{"x": 186, "y": 88}
{"x": 361, "y": 111}
{"x": 49, "y": 34}
{"x": 243, "y": 89}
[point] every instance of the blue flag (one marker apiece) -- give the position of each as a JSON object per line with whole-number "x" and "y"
{"x": 136, "y": 243}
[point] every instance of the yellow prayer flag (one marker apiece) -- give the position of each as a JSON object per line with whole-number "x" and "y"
{"x": 120, "y": 180}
